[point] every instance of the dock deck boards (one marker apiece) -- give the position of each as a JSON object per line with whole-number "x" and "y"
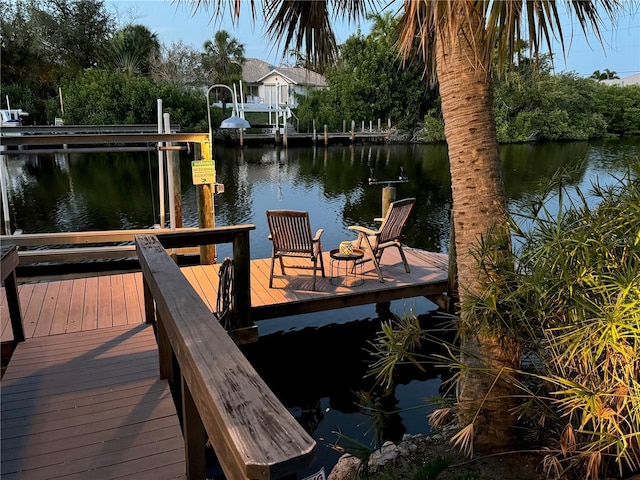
{"x": 89, "y": 405}
{"x": 83, "y": 304}
{"x": 81, "y": 398}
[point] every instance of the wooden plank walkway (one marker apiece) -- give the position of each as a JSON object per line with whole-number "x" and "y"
{"x": 292, "y": 293}
{"x": 88, "y": 404}
{"x": 83, "y": 304}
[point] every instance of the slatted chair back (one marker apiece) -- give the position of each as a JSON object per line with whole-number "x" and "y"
{"x": 388, "y": 235}
{"x": 394, "y": 220}
{"x": 290, "y": 232}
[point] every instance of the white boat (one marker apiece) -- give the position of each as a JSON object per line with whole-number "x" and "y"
{"x": 10, "y": 118}
{"x": 13, "y": 117}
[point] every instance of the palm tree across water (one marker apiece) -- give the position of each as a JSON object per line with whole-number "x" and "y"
{"x": 604, "y": 75}
{"x": 464, "y": 44}
{"x": 134, "y": 50}
{"x": 222, "y": 61}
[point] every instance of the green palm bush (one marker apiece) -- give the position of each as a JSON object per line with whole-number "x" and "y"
{"x": 572, "y": 304}
{"x": 576, "y": 295}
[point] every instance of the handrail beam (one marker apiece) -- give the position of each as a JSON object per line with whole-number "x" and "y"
{"x": 253, "y": 434}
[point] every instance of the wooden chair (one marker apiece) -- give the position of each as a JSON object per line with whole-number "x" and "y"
{"x": 388, "y": 235}
{"x": 291, "y": 237}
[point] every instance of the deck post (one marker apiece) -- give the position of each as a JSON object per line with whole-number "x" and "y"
{"x": 326, "y": 135}
{"x": 165, "y": 355}
{"x": 149, "y": 306}
{"x": 242, "y": 272}
{"x": 8, "y": 266}
{"x": 193, "y": 433}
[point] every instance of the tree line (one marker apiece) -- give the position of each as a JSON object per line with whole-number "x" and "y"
{"x": 70, "y": 59}
{"x": 371, "y": 81}
{"x": 102, "y": 74}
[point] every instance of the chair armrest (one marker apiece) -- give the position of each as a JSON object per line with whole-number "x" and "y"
{"x": 379, "y": 219}
{"x": 366, "y": 231}
{"x": 318, "y": 234}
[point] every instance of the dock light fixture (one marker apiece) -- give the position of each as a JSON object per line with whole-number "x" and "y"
{"x": 234, "y": 121}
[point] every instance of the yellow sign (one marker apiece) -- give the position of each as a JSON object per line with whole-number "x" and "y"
{"x": 203, "y": 171}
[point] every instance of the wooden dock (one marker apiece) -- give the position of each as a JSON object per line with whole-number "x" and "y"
{"x": 89, "y": 405}
{"x": 82, "y": 398}
{"x": 292, "y": 294}
{"x": 82, "y": 304}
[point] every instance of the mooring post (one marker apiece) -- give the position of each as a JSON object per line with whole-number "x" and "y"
{"x": 160, "y": 167}
{"x": 326, "y": 135}
{"x": 173, "y": 176}
{"x": 314, "y": 131}
{"x": 242, "y": 287}
{"x": 388, "y": 197}
{"x": 206, "y": 208}
{"x": 353, "y": 131}
{"x": 388, "y": 191}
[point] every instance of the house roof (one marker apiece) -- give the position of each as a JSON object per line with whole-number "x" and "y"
{"x": 255, "y": 71}
{"x": 630, "y": 80}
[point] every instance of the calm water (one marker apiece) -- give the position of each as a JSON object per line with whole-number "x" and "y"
{"x": 315, "y": 362}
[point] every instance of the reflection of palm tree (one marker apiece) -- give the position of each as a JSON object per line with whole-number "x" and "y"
{"x": 462, "y": 42}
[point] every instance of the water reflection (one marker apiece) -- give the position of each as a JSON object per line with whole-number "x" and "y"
{"x": 316, "y": 371}
{"x": 113, "y": 191}
{"x": 320, "y": 374}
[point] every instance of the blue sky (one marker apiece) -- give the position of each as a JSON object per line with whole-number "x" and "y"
{"x": 174, "y": 21}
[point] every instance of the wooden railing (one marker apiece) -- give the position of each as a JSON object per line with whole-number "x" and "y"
{"x": 252, "y": 433}
{"x": 8, "y": 266}
{"x": 79, "y": 246}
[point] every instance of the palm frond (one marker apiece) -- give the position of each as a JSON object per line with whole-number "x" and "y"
{"x": 306, "y": 27}
{"x": 464, "y": 440}
{"x": 496, "y": 28}
{"x": 217, "y": 8}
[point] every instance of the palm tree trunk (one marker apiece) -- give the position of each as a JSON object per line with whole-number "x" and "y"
{"x": 479, "y": 208}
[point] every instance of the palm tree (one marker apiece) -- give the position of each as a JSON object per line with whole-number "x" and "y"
{"x": 461, "y": 42}
{"x": 606, "y": 75}
{"x": 134, "y": 50}
{"x": 222, "y": 61}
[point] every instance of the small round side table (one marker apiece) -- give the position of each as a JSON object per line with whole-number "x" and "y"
{"x": 345, "y": 270}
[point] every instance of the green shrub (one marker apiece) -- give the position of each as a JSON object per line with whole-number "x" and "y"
{"x": 574, "y": 304}
{"x": 432, "y": 130}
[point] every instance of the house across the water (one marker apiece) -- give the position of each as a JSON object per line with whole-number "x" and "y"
{"x": 268, "y": 84}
